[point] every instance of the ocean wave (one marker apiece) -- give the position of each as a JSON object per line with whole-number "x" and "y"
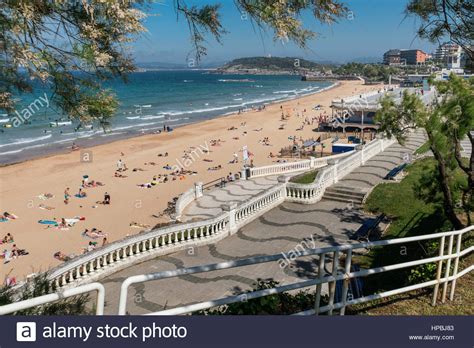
{"x": 235, "y": 80}
{"x": 27, "y": 140}
{"x": 151, "y": 117}
{"x": 133, "y": 126}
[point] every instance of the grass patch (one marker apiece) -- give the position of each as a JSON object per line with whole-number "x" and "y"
{"x": 305, "y": 178}
{"x": 423, "y": 149}
{"x": 410, "y": 216}
{"x": 419, "y": 302}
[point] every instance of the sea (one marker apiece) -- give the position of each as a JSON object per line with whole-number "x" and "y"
{"x": 148, "y": 101}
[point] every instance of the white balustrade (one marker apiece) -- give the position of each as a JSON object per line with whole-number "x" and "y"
{"x": 148, "y": 244}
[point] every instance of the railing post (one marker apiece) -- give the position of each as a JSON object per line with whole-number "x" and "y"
{"x": 198, "y": 190}
{"x": 312, "y": 162}
{"x": 317, "y": 304}
{"x": 333, "y": 163}
{"x": 231, "y": 209}
{"x": 456, "y": 265}
{"x": 448, "y": 270}
{"x": 332, "y": 284}
{"x": 345, "y": 285}
{"x": 438, "y": 273}
{"x": 362, "y": 156}
{"x": 243, "y": 173}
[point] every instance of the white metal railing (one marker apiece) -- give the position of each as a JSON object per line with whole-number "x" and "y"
{"x": 41, "y": 300}
{"x": 340, "y": 271}
{"x": 151, "y": 243}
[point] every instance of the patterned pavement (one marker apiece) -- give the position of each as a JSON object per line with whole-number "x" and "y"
{"x": 282, "y": 229}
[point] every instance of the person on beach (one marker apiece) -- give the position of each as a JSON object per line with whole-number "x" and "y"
{"x": 106, "y": 198}
{"x": 7, "y": 239}
{"x": 104, "y": 241}
{"x": 81, "y": 194}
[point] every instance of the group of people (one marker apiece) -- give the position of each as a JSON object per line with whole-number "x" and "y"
{"x": 14, "y": 253}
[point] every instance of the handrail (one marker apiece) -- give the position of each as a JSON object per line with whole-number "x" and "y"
{"x": 322, "y": 252}
{"x": 41, "y": 300}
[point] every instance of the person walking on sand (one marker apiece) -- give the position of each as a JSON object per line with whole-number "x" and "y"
{"x": 106, "y": 198}
{"x": 66, "y": 196}
{"x": 119, "y": 165}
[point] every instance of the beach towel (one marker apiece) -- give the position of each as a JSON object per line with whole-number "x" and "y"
{"x": 3, "y": 220}
{"x": 47, "y": 222}
{"x": 79, "y": 196}
{"x": 42, "y": 206}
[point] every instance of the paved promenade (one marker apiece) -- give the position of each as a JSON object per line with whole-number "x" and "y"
{"x": 279, "y": 230}
{"x": 209, "y": 205}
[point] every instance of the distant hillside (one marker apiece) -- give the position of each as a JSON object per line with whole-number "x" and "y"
{"x": 269, "y": 65}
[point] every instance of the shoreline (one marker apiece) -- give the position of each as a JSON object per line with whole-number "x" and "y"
{"x": 91, "y": 143}
{"x": 22, "y": 184}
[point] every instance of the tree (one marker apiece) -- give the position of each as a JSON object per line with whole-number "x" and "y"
{"x": 73, "y": 46}
{"x": 40, "y": 285}
{"x": 447, "y": 121}
{"x": 445, "y": 18}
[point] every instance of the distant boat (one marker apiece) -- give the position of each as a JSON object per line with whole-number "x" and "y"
{"x": 4, "y": 120}
{"x": 60, "y": 123}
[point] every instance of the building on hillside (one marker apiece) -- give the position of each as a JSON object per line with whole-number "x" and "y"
{"x": 449, "y": 54}
{"x": 391, "y": 57}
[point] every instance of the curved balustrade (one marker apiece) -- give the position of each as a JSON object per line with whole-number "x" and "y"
{"x": 138, "y": 247}
{"x": 312, "y": 193}
{"x": 282, "y": 168}
{"x": 259, "y": 204}
{"x": 149, "y": 244}
{"x": 183, "y": 200}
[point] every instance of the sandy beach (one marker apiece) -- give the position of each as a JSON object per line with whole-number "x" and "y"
{"x": 22, "y": 184}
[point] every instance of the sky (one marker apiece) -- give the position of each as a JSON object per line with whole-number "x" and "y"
{"x": 371, "y": 28}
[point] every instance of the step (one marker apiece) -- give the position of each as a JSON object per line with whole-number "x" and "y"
{"x": 342, "y": 200}
{"x": 342, "y": 197}
{"x": 346, "y": 191}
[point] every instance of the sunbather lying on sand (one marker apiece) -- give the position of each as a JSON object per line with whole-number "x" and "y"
{"x": 9, "y": 216}
{"x": 145, "y": 185}
{"x": 46, "y": 207}
{"x": 118, "y": 175}
{"x": 59, "y": 255}
{"x": 93, "y": 183}
{"x": 45, "y": 196}
{"x": 215, "y": 168}
{"x": 94, "y": 233}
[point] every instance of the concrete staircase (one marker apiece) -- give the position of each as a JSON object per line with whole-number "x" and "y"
{"x": 345, "y": 194}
